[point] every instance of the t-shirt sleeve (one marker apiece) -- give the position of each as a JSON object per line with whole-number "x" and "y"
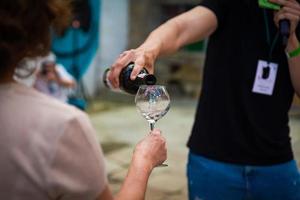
{"x": 77, "y": 171}
{"x": 218, "y": 7}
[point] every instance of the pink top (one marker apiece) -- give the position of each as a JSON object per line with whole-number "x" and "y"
{"x": 48, "y": 150}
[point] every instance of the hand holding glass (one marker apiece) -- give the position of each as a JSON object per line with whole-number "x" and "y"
{"x": 153, "y": 102}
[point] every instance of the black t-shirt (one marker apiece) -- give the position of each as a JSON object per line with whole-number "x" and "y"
{"x": 234, "y": 124}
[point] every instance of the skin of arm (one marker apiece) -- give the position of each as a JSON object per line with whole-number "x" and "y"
{"x": 149, "y": 153}
{"x": 290, "y": 9}
{"x": 191, "y": 26}
{"x": 294, "y": 64}
{"x": 133, "y": 188}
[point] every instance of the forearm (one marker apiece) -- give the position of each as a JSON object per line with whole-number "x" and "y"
{"x": 184, "y": 29}
{"x": 133, "y": 188}
{"x": 135, "y": 183}
{"x": 294, "y": 64}
{"x": 159, "y": 42}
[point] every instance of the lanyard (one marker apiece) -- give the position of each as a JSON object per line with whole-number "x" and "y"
{"x": 268, "y": 36}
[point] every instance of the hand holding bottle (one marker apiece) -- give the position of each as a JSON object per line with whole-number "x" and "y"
{"x": 290, "y": 10}
{"x": 141, "y": 58}
{"x": 126, "y": 83}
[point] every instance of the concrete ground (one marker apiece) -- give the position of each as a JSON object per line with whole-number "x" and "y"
{"x": 120, "y": 127}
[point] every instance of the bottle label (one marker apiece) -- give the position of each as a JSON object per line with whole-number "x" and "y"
{"x": 142, "y": 75}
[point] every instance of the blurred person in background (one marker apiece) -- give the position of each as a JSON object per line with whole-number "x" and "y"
{"x": 53, "y": 79}
{"x": 49, "y": 150}
{"x": 240, "y": 146}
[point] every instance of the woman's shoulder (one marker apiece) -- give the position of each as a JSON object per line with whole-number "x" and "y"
{"x": 46, "y": 106}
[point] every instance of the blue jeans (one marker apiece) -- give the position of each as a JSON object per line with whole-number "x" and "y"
{"x": 213, "y": 180}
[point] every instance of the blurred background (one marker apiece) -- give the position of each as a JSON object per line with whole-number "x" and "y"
{"x": 100, "y": 31}
{"x": 109, "y": 27}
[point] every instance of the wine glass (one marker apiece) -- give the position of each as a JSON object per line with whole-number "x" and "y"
{"x": 153, "y": 102}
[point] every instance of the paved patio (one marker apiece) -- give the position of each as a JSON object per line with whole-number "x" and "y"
{"x": 120, "y": 127}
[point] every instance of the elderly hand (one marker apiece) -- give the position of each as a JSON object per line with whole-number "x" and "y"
{"x": 151, "y": 151}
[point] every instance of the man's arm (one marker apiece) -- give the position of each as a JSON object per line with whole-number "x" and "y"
{"x": 290, "y": 10}
{"x": 184, "y": 29}
{"x": 294, "y": 64}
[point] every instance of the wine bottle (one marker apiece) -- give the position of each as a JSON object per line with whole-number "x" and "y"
{"x": 128, "y": 85}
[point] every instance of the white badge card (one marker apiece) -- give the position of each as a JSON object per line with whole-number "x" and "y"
{"x": 265, "y": 77}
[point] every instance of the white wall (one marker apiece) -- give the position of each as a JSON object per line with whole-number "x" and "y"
{"x": 113, "y": 30}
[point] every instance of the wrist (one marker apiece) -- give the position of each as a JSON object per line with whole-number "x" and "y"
{"x": 293, "y": 43}
{"x": 152, "y": 46}
{"x": 150, "y": 51}
{"x": 141, "y": 164}
{"x": 293, "y": 47}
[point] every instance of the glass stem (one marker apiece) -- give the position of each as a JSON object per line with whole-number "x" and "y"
{"x": 151, "y": 125}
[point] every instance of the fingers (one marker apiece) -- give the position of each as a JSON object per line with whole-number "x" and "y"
{"x": 140, "y": 57}
{"x": 123, "y": 60}
{"x": 138, "y": 66}
{"x": 161, "y": 152}
{"x": 280, "y": 2}
{"x": 157, "y": 137}
{"x": 290, "y": 10}
{"x": 293, "y": 19}
{"x": 290, "y": 6}
{"x": 156, "y": 132}
{"x": 152, "y": 150}
{"x": 143, "y": 60}
{"x": 284, "y": 2}
{"x": 287, "y": 16}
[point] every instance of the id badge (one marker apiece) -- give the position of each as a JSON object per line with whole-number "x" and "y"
{"x": 265, "y": 77}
